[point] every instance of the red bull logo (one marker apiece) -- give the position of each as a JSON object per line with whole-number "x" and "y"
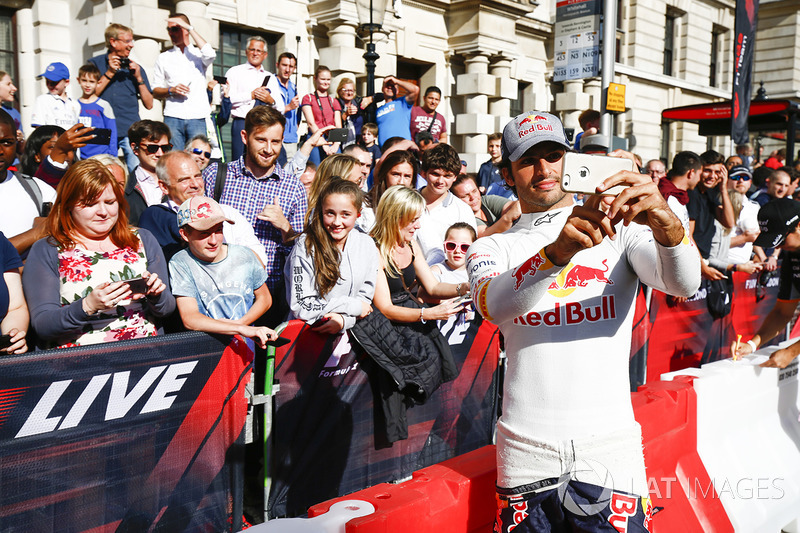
{"x": 528, "y": 269}
{"x": 622, "y": 508}
{"x": 571, "y": 314}
{"x": 533, "y": 123}
{"x": 574, "y": 276}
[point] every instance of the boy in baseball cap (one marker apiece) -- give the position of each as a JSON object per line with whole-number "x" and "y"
{"x": 55, "y": 107}
{"x": 219, "y": 287}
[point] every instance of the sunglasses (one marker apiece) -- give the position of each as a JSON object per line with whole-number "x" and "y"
{"x": 450, "y": 246}
{"x": 154, "y": 148}
{"x": 174, "y": 29}
{"x": 198, "y": 151}
{"x": 743, "y": 177}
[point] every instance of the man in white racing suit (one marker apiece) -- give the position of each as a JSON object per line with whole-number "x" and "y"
{"x": 561, "y": 285}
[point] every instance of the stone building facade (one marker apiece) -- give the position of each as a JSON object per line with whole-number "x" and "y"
{"x": 492, "y": 58}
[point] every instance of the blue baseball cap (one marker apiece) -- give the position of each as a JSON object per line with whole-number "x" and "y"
{"x": 56, "y": 72}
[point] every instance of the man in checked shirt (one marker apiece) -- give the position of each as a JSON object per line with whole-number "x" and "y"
{"x": 271, "y": 199}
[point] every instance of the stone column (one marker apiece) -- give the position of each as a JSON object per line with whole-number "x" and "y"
{"x": 506, "y": 90}
{"x": 477, "y": 85}
{"x": 571, "y": 102}
{"x": 28, "y": 67}
{"x": 341, "y": 55}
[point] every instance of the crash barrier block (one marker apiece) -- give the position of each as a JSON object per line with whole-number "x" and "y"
{"x": 334, "y": 521}
{"x": 748, "y": 438}
{"x": 666, "y": 413}
{"x": 454, "y": 496}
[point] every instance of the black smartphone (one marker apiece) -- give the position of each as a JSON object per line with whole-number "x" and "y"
{"x": 222, "y": 80}
{"x": 101, "y": 136}
{"x": 280, "y": 341}
{"x": 266, "y": 80}
{"x": 46, "y": 208}
{"x": 137, "y": 285}
{"x": 337, "y": 135}
{"x": 5, "y": 341}
{"x": 320, "y": 321}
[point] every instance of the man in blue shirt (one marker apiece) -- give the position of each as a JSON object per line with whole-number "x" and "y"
{"x": 122, "y": 84}
{"x": 394, "y": 116}
{"x": 287, "y": 102}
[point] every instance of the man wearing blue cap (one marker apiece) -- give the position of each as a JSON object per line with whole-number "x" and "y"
{"x": 55, "y": 107}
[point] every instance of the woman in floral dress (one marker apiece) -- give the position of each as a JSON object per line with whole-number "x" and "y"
{"x": 75, "y": 278}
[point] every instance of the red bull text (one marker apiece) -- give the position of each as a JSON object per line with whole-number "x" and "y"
{"x": 571, "y": 313}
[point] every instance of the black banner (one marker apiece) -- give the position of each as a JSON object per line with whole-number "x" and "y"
{"x": 142, "y": 435}
{"x": 744, "y": 42}
{"x": 323, "y": 429}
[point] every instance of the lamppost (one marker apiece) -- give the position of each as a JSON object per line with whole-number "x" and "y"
{"x": 370, "y": 18}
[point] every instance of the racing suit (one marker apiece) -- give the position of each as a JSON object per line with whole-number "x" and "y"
{"x": 567, "y": 330}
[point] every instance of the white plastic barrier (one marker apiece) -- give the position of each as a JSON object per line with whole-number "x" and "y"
{"x": 748, "y": 437}
{"x": 334, "y": 521}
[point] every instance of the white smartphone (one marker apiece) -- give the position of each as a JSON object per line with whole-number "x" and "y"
{"x": 582, "y": 173}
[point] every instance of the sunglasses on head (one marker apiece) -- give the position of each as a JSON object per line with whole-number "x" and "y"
{"x": 450, "y": 246}
{"x": 154, "y": 148}
{"x": 743, "y": 177}
{"x": 198, "y": 151}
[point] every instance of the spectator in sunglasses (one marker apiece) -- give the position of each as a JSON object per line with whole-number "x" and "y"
{"x": 746, "y": 230}
{"x": 199, "y": 147}
{"x": 150, "y": 140}
{"x": 453, "y": 269}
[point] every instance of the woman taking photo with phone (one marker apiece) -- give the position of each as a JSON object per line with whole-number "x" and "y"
{"x": 93, "y": 278}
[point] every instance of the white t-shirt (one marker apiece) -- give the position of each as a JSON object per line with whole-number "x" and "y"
{"x": 49, "y": 109}
{"x": 17, "y": 209}
{"x": 189, "y": 68}
{"x": 434, "y": 224}
{"x": 748, "y": 222}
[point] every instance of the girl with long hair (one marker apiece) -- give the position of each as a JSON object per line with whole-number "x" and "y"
{"x": 399, "y": 168}
{"x": 331, "y": 271}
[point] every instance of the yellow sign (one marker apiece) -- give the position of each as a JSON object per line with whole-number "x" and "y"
{"x": 615, "y": 101}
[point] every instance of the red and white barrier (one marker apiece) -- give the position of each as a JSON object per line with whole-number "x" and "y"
{"x": 748, "y": 438}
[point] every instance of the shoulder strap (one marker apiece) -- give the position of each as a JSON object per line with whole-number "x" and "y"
{"x": 32, "y": 188}
{"x": 430, "y": 126}
{"x": 219, "y": 183}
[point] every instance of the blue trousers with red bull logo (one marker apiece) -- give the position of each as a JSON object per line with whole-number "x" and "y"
{"x": 571, "y": 506}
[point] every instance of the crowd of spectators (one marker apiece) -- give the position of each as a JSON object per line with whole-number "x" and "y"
{"x": 99, "y": 202}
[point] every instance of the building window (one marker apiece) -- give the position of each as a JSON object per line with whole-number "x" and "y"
{"x": 232, "y": 52}
{"x": 717, "y": 53}
{"x": 665, "y": 139}
{"x": 518, "y": 106}
{"x": 8, "y": 44}
{"x": 669, "y": 43}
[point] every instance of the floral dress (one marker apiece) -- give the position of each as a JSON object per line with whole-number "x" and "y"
{"x": 81, "y": 270}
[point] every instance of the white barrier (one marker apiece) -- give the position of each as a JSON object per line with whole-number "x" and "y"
{"x": 748, "y": 437}
{"x": 334, "y": 521}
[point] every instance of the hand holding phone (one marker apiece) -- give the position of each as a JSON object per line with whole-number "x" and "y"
{"x": 582, "y": 173}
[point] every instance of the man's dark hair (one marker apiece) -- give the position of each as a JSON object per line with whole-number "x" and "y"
{"x": 462, "y": 178}
{"x": 287, "y": 54}
{"x": 433, "y": 89}
{"x": 148, "y": 130}
{"x": 683, "y": 162}
{"x": 8, "y": 120}
{"x": 442, "y": 156}
{"x": 587, "y": 116}
{"x": 761, "y": 175}
{"x": 180, "y": 16}
{"x": 712, "y": 157}
{"x": 391, "y": 141}
{"x": 263, "y": 116}
{"x": 423, "y": 137}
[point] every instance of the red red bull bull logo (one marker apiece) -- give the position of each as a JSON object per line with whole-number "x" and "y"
{"x": 528, "y": 269}
{"x": 570, "y": 314}
{"x": 533, "y": 123}
{"x": 574, "y": 276}
{"x": 622, "y": 508}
